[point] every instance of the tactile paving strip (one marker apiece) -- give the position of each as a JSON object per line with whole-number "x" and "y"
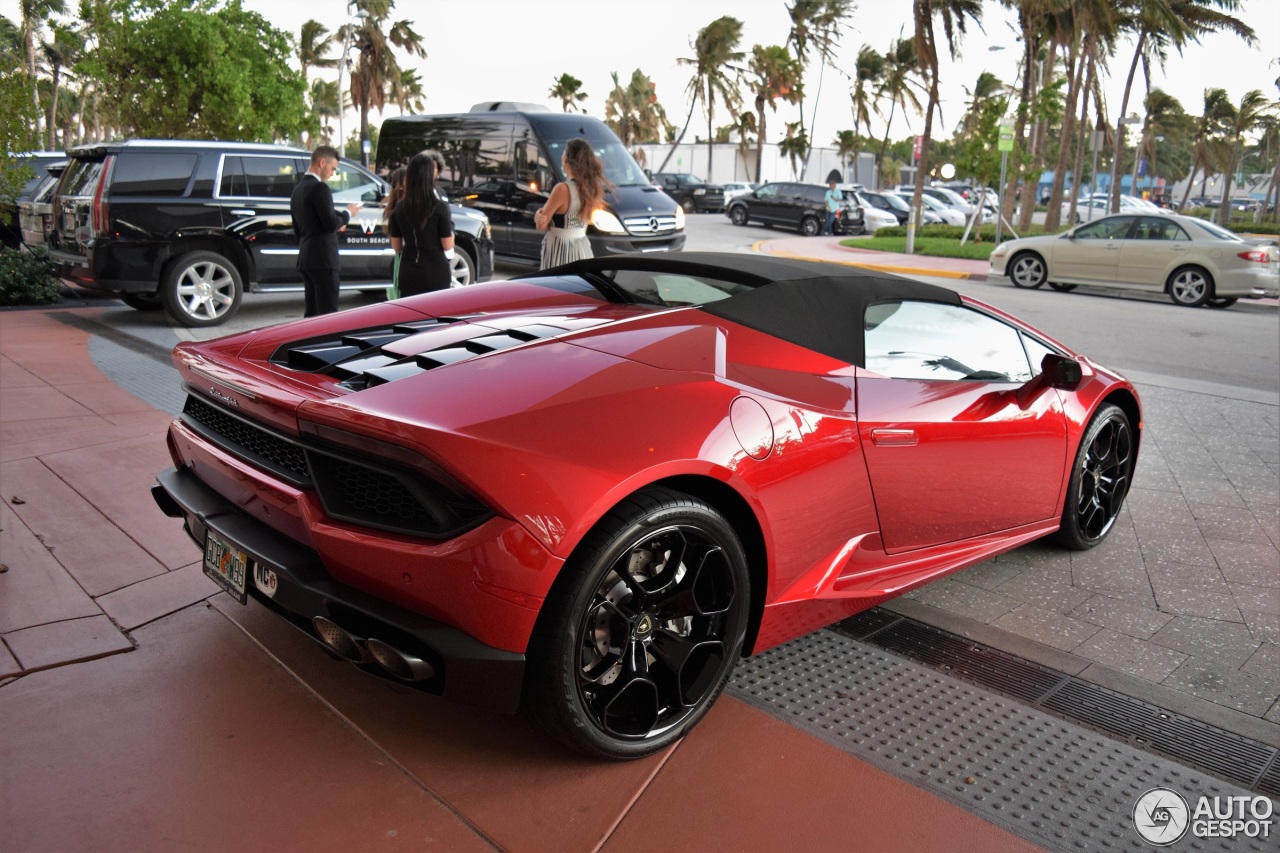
{"x": 1042, "y": 778}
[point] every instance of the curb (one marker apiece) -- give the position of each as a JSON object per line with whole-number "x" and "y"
{"x": 890, "y": 268}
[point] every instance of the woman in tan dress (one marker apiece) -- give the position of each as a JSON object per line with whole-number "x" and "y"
{"x": 568, "y": 210}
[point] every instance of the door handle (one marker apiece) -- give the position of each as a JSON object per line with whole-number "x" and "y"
{"x": 894, "y": 437}
{"x": 244, "y": 213}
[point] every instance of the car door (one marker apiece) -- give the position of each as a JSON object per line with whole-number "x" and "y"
{"x": 364, "y": 251}
{"x": 1090, "y": 253}
{"x": 789, "y": 207}
{"x": 253, "y": 195}
{"x": 1153, "y": 248}
{"x": 950, "y": 452}
{"x": 762, "y": 204}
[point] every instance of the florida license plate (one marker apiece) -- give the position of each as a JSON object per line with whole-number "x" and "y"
{"x": 227, "y": 565}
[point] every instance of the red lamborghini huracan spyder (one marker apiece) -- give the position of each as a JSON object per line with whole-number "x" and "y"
{"x": 588, "y": 491}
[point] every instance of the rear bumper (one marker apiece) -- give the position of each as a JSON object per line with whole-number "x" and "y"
{"x": 465, "y": 670}
{"x": 105, "y": 271}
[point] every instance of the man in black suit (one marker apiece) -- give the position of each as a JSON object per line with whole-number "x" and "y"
{"x": 317, "y": 225}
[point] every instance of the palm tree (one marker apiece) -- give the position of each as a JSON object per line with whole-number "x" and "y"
{"x": 953, "y": 15}
{"x": 868, "y": 70}
{"x": 816, "y": 24}
{"x": 60, "y": 52}
{"x": 407, "y": 92}
{"x": 847, "y": 144}
{"x": 1093, "y": 27}
{"x": 377, "y": 68}
{"x": 1161, "y": 24}
{"x": 1163, "y": 110}
{"x": 35, "y": 14}
{"x": 569, "y": 91}
{"x": 899, "y": 85}
{"x": 776, "y": 75}
{"x": 1249, "y": 115}
{"x": 633, "y": 111}
{"x": 1212, "y": 121}
{"x": 324, "y": 102}
{"x": 715, "y": 76}
{"x": 795, "y": 144}
{"x": 314, "y": 43}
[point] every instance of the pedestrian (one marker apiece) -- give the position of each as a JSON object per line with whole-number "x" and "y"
{"x": 421, "y": 231}
{"x": 569, "y": 207}
{"x": 396, "y": 182}
{"x": 833, "y": 199}
{"x": 317, "y": 224}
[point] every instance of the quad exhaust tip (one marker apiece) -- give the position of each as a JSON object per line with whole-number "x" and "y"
{"x": 402, "y": 665}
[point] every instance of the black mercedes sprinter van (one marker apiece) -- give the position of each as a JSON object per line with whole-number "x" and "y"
{"x": 504, "y": 158}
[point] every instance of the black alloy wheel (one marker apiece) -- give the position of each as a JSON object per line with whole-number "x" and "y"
{"x": 1027, "y": 270}
{"x": 643, "y": 628}
{"x": 1099, "y": 481}
{"x": 810, "y": 226}
{"x": 738, "y": 214}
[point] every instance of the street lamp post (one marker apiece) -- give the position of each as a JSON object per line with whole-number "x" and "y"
{"x": 1115, "y": 161}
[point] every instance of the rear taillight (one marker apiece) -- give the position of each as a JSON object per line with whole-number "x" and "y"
{"x": 99, "y": 217}
{"x": 1259, "y": 256}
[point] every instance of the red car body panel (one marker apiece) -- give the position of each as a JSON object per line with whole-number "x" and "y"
{"x": 858, "y": 487}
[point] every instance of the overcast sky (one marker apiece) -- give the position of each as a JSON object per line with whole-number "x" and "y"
{"x": 483, "y": 50}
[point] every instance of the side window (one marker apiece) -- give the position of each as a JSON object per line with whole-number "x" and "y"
{"x": 1159, "y": 228}
{"x": 161, "y": 173}
{"x": 928, "y": 340}
{"x": 262, "y": 177}
{"x": 768, "y": 191}
{"x": 1036, "y": 351}
{"x": 1111, "y": 228}
{"x": 815, "y": 195}
{"x": 532, "y": 167}
{"x": 351, "y": 184}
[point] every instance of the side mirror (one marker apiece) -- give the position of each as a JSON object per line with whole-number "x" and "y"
{"x": 1056, "y": 371}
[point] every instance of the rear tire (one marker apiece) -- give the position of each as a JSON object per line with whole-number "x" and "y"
{"x": 1061, "y": 287}
{"x": 810, "y": 226}
{"x": 642, "y": 628}
{"x": 738, "y": 214}
{"x": 201, "y": 289}
{"x": 1221, "y": 302}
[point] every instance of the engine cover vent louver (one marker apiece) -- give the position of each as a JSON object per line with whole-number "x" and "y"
{"x": 361, "y": 359}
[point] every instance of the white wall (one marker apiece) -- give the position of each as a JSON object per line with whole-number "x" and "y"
{"x": 727, "y": 163}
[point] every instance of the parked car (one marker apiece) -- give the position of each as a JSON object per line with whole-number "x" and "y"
{"x": 792, "y": 205}
{"x": 189, "y": 226}
{"x": 692, "y": 193}
{"x": 481, "y": 493}
{"x": 35, "y": 214}
{"x": 897, "y": 206}
{"x": 503, "y": 159}
{"x": 950, "y": 198}
{"x": 928, "y": 216}
{"x": 1194, "y": 261}
{"x": 734, "y": 189}
{"x": 38, "y": 162}
{"x": 947, "y": 215}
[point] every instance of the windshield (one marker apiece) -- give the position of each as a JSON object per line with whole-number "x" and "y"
{"x": 619, "y": 167}
{"x": 931, "y": 202}
{"x": 895, "y": 202}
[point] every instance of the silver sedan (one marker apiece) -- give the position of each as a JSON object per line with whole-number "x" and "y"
{"x": 1194, "y": 261}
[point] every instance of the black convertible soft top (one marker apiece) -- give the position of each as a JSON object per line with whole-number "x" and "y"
{"x": 815, "y": 305}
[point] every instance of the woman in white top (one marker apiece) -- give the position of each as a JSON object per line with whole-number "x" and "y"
{"x": 568, "y": 209}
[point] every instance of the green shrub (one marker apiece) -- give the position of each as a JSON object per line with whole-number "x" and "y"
{"x": 1272, "y": 228}
{"x": 26, "y": 278}
{"x": 987, "y": 233}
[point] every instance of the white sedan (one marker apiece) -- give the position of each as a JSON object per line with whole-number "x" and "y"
{"x": 1194, "y": 261}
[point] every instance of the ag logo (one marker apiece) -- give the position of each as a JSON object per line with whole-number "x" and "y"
{"x": 1161, "y": 816}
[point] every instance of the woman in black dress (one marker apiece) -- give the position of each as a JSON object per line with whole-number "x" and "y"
{"x": 421, "y": 230}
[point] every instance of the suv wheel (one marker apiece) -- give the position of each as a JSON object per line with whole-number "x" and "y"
{"x": 810, "y": 226}
{"x": 461, "y": 268}
{"x": 687, "y": 205}
{"x": 201, "y": 289}
{"x": 738, "y": 214}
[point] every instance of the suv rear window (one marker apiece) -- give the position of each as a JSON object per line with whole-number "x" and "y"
{"x": 138, "y": 173}
{"x": 81, "y": 177}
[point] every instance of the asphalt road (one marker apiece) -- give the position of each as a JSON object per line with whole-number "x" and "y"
{"x": 1147, "y": 336}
